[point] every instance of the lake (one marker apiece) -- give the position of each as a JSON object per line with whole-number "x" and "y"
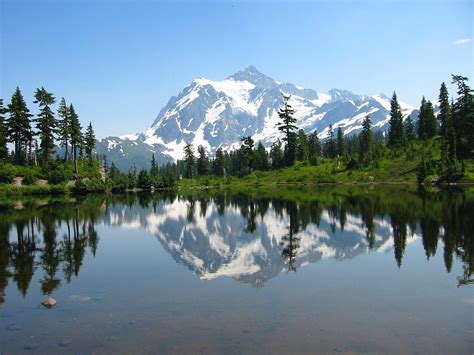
{"x": 332, "y": 270}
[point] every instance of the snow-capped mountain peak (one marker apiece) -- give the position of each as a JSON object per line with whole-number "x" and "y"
{"x": 218, "y": 113}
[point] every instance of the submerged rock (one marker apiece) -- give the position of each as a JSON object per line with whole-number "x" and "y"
{"x": 49, "y": 302}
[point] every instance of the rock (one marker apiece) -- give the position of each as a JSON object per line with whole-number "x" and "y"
{"x": 49, "y": 302}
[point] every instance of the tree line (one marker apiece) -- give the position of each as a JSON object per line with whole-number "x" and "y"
{"x": 34, "y": 137}
{"x": 451, "y": 131}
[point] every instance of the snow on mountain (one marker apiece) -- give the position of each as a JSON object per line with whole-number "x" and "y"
{"x": 219, "y": 113}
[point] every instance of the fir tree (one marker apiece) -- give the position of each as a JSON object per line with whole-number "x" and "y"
{"x": 331, "y": 147}
{"x": 410, "y": 129}
{"x": 463, "y": 118}
{"x": 143, "y": 181}
{"x": 396, "y": 132}
{"x": 89, "y": 141}
{"x": 366, "y": 142}
{"x": 422, "y": 120}
{"x": 261, "y": 158}
{"x": 444, "y": 107}
{"x": 431, "y": 125}
{"x": 287, "y": 126}
{"x": 340, "y": 142}
{"x": 246, "y": 155}
{"x": 46, "y": 122}
{"x": 314, "y": 147}
{"x": 3, "y": 133}
{"x": 18, "y": 126}
{"x": 64, "y": 125}
{"x": 154, "y": 171}
{"x": 75, "y": 133}
{"x": 302, "y": 151}
{"x": 276, "y": 155}
{"x": 189, "y": 161}
{"x": 202, "y": 162}
{"x": 218, "y": 164}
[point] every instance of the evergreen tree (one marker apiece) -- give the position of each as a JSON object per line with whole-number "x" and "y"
{"x": 18, "y": 126}
{"x": 202, "y": 162}
{"x": 64, "y": 125}
{"x": 410, "y": 129}
{"x": 302, "y": 151}
{"x": 366, "y": 143}
{"x": 154, "y": 172}
{"x": 422, "y": 120}
{"x": 218, "y": 164}
{"x": 431, "y": 125}
{"x": 89, "y": 141}
{"x": 331, "y": 147}
{"x": 114, "y": 172}
{"x": 189, "y": 161}
{"x": 314, "y": 147}
{"x": 276, "y": 155}
{"x": 3, "y": 133}
{"x": 463, "y": 118}
{"x": 75, "y": 133}
{"x": 46, "y": 122}
{"x": 261, "y": 158}
{"x": 340, "y": 142}
{"x": 287, "y": 126}
{"x": 143, "y": 181}
{"x": 396, "y": 132}
{"x": 444, "y": 107}
{"x": 246, "y": 155}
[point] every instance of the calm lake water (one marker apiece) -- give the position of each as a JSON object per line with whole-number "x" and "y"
{"x": 328, "y": 271}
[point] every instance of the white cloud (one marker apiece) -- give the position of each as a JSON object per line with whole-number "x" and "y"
{"x": 462, "y": 41}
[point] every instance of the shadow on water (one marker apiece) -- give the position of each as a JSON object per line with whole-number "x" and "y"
{"x": 52, "y": 236}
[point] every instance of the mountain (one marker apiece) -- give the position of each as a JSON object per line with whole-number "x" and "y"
{"x": 218, "y": 238}
{"x": 219, "y": 113}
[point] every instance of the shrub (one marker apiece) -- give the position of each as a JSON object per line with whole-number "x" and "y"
{"x": 7, "y": 173}
{"x": 29, "y": 178}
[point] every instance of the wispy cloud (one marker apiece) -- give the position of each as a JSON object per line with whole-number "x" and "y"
{"x": 462, "y": 41}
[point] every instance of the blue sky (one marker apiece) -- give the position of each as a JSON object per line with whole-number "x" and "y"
{"x": 119, "y": 62}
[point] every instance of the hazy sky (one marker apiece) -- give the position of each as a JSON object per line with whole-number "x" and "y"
{"x": 119, "y": 62}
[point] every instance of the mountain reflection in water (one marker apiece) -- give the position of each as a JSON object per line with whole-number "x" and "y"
{"x": 249, "y": 237}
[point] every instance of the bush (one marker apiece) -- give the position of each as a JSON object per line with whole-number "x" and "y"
{"x": 7, "y": 173}
{"x": 87, "y": 186}
{"x": 29, "y": 178}
{"x": 58, "y": 176}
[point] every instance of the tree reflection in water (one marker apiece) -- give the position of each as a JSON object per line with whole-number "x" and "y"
{"x": 53, "y": 237}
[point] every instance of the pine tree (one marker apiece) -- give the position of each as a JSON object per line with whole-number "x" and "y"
{"x": 276, "y": 155}
{"x": 189, "y": 161}
{"x": 444, "y": 107}
{"x": 410, "y": 129}
{"x": 366, "y": 143}
{"x": 202, "y": 162}
{"x": 331, "y": 147}
{"x": 3, "y": 133}
{"x": 89, "y": 141}
{"x": 218, "y": 164}
{"x": 422, "y": 120}
{"x": 302, "y": 151}
{"x": 246, "y": 155}
{"x": 314, "y": 147}
{"x": 287, "y": 126}
{"x": 64, "y": 125}
{"x": 340, "y": 142}
{"x": 261, "y": 158}
{"x": 431, "y": 125}
{"x": 143, "y": 181}
{"x": 75, "y": 134}
{"x": 154, "y": 171}
{"x": 18, "y": 126}
{"x": 396, "y": 132}
{"x": 46, "y": 122}
{"x": 463, "y": 118}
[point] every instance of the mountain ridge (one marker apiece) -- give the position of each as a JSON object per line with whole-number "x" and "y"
{"x": 218, "y": 113}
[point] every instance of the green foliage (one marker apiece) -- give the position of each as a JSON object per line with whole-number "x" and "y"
{"x": 396, "y": 132}
{"x": 89, "y": 141}
{"x": 29, "y": 178}
{"x": 7, "y": 173}
{"x": 143, "y": 181}
{"x": 3, "y": 134}
{"x": 45, "y": 123}
{"x": 85, "y": 186}
{"x": 189, "y": 161}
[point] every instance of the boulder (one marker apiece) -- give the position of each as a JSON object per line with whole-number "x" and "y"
{"x": 49, "y": 302}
